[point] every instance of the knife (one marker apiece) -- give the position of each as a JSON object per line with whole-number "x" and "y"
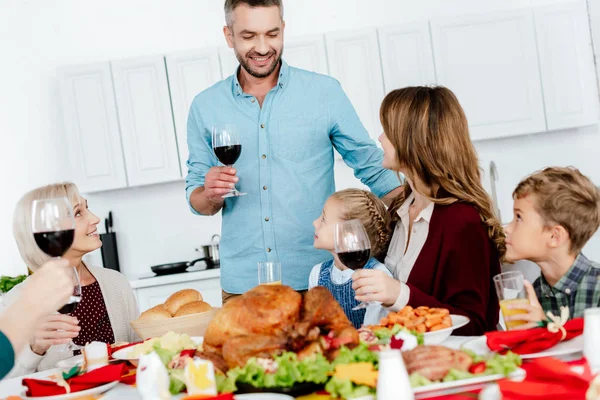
{"x": 110, "y": 221}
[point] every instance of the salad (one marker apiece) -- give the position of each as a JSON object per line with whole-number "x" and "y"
{"x": 352, "y": 373}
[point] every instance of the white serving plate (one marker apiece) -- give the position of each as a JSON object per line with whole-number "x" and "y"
{"x": 573, "y": 346}
{"x": 437, "y": 337}
{"x": 126, "y": 353}
{"x": 70, "y": 362}
{"x": 463, "y": 385}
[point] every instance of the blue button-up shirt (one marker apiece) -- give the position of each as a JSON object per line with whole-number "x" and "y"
{"x": 286, "y": 169}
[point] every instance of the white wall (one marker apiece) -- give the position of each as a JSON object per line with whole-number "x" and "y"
{"x": 153, "y": 223}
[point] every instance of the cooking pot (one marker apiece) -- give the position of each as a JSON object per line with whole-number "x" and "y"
{"x": 211, "y": 252}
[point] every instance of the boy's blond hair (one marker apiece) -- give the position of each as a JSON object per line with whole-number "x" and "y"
{"x": 566, "y": 197}
{"x": 371, "y": 212}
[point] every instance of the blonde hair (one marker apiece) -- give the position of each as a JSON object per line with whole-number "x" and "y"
{"x": 429, "y": 131}
{"x": 22, "y": 229}
{"x": 371, "y": 212}
{"x": 566, "y": 197}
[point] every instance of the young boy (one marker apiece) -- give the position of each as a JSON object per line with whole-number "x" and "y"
{"x": 556, "y": 211}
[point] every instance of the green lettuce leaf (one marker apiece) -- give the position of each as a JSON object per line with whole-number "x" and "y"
{"x": 417, "y": 380}
{"x": 345, "y": 389}
{"x": 360, "y": 353}
{"x": 177, "y": 381}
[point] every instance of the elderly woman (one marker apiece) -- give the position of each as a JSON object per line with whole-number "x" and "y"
{"x": 107, "y": 301}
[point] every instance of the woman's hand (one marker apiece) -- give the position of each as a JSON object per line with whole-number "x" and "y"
{"x": 55, "y": 329}
{"x": 373, "y": 285}
{"x": 535, "y": 313}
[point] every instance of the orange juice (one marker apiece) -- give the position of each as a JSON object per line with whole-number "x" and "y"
{"x": 515, "y": 311}
{"x": 272, "y": 283}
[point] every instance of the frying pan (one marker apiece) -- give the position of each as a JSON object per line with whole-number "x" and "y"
{"x": 175, "y": 268}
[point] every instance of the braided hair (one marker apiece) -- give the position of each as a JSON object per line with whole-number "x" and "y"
{"x": 372, "y": 213}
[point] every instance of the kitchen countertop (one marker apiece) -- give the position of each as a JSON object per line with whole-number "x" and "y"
{"x": 192, "y": 275}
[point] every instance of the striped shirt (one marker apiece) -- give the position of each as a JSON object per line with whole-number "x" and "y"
{"x": 578, "y": 289}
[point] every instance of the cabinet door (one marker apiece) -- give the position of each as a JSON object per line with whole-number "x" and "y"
{"x": 152, "y": 296}
{"x": 306, "y": 53}
{"x": 490, "y": 63}
{"x": 91, "y": 127}
{"x": 189, "y": 74}
{"x": 146, "y": 120}
{"x": 406, "y": 56}
{"x": 567, "y": 65}
{"x": 229, "y": 63}
{"x": 354, "y": 60}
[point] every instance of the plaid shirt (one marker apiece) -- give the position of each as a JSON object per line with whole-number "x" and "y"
{"x": 578, "y": 289}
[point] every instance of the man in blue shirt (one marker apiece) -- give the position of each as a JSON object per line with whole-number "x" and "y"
{"x": 289, "y": 120}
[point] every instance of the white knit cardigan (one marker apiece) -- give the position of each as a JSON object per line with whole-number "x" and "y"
{"x": 121, "y": 306}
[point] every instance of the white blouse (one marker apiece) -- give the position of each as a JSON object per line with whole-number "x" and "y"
{"x": 401, "y": 259}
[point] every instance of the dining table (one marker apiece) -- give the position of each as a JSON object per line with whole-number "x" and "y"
{"x": 14, "y": 387}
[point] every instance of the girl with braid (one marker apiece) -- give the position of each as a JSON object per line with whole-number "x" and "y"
{"x": 371, "y": 212}
{"x": 447, "y": 242}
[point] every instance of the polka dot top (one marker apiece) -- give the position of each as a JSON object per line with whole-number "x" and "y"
{"x": 93, "y": 317}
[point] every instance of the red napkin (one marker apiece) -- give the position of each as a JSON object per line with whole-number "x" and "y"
{"x": 97, "y": 377}
{"x": 547, "y": 376}
{"x": 112, "y": 350}
{"x": 533, "y": 340}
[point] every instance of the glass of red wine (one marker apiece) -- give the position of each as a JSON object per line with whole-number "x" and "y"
{"x": 53, "y": 229}
{"x": 227, "y": 147}
{"x": 352, "y": 246}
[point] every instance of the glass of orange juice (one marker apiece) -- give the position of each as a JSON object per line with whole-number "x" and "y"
{"x": 511, "y": 290}
{"x": 269, "y": 273}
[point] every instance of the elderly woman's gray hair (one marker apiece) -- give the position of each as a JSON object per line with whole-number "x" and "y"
{"x": 22, "y": 220}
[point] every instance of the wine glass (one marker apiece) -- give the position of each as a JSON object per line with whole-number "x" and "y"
{"x": 227, "y": 147}
{"x": 352, "y": 246}
{"x": 53, "y": 229}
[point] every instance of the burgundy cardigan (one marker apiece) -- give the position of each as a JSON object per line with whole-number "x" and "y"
{"x": 455, "y": 267}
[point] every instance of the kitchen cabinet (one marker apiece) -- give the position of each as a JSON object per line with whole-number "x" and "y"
{"x": 91, "y": 127}
{"x": 307, "y": 53}
{"x": 189, "y": 73}
{"x": 354, "y": 60}
{"x": 406, "y": 55}
{"x": 567, "y": 65}
{"x": 490, "y": 63}
{"x": 145, "y": 117}
{"x": 154, "y": 291}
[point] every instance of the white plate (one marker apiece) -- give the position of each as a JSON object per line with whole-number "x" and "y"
{"x": 125, "y": 354}
{"x": 437, "y": 337}
{"x": 262, "y": 396}
{"x": 76, "y": 395}
{"x": 573, "y": 346}
{"x": 463, "y": 385}
{"x": 70, "y": 362}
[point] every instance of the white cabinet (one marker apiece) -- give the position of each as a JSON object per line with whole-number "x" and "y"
{"x": 406, "y": 55}
{"x": 189, "y": 74}
{"x": 229, "y": 62}
{"x": 151, "y": 296}
{"x": 567, "y": 65}
{"x": 146, "y": 120}
{"x": 91, "y": 127}
{"x": 306, "y": 53}
{"x": 354, "y": 61}
{"x": 490, "y": 63}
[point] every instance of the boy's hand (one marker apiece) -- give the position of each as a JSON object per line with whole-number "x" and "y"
{"x": 535, "y": 314}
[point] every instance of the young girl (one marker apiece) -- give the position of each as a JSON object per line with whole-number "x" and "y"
{"x": 370, "y": 211}
{"x": 447, "y": 242}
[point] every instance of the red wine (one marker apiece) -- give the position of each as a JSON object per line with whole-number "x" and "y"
{"x": 355, "y": 259}
{"x": 228, "y": 155}
{"x": 71, "y": 306}
{"x": 56, "y": 243}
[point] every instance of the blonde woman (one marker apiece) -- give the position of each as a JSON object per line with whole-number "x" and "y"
{"x": 334, "y": 275}
{"x": 447, "y": 242}
{"x": 107, "y": 302}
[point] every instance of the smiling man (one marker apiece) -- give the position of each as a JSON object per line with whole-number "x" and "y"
{"x": 289, "y": 121}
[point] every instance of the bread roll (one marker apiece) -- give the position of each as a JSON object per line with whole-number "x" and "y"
{"x": 180, "y": 298}
{"x": 195, "y": 307}
{"x": 155, "y": 313}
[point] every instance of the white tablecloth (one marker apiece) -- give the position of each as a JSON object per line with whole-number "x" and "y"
{"x": 13, "y": 387}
